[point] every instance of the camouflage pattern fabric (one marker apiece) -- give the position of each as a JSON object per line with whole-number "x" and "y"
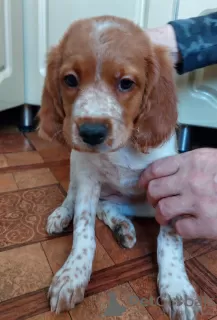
{"x": 197, "y": 42}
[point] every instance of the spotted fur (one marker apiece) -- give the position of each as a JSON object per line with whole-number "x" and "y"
{"x": 104, "y": 178}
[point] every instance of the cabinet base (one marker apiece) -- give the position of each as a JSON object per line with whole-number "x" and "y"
{"x": 184, "y": 141}
{"x": 27, "y": 118}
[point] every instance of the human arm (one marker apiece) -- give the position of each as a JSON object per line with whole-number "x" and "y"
{"x": 192, "y": 42}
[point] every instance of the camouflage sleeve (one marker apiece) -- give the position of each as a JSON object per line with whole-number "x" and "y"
{"x": 197, "y": 42}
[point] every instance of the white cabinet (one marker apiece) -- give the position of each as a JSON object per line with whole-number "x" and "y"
{"x": 45, "y": 21}
{"x": 11, "y": 54}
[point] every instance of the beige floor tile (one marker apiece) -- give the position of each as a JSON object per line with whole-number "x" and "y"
{"x": 23, "y": 270}
{"x": 119, "y": 303}
{"x": 34, "y": 178}
{"x": 23, "y": 158}
{"x": 13, "y": 142}
{"x": 7, "y": 182}
{"x": 51, "y": 316}
{"x": 58, "y": 249}
{"x": 3, "y": 161}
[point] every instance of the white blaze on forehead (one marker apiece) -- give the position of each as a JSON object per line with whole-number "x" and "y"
{"x": 99, "y": 27}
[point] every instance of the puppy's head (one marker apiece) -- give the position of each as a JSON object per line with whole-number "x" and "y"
{"x": 107, "y": 84}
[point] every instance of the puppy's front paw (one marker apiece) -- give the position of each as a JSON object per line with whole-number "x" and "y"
{"x": 125, "y": 234}
{"x": 67, "y": 288}
{"x": 179, "y": 298}
{"x": 58, "y": 220}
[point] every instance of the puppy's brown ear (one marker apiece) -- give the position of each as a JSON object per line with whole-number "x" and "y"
{"x": 158, "y": 114}
{"x": 51, "y": 113}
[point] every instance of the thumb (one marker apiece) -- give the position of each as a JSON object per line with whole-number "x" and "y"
{"x": 190, "y": 228}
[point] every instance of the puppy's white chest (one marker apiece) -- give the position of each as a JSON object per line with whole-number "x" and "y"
{"x": 121, "y": 170}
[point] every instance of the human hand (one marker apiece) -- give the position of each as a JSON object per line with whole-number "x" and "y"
{"x": 184, "y": 187}
{"x": 165, "y": 36}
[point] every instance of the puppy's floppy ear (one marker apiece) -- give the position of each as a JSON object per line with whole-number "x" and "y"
{"x": 51, "y": 113}
{"x": 158, "y": 114}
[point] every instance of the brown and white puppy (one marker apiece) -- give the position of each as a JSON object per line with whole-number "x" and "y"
{"x": 110, "y": 94}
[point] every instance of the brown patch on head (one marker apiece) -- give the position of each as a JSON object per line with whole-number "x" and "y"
{"x": 157, "y": 118}
{"x": 100, "y": 52}
{"x": 51, "y": 114}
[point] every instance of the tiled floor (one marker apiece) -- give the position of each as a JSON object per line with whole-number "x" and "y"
{"x": 33, "y": 181}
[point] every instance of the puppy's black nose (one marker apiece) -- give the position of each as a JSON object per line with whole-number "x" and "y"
{"x": 93, "y": 133}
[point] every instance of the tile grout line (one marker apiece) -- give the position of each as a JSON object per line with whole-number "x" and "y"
{"x": 106, "y": 251}
{"x": 28, "y": 294}
{"x": 138, "y": 298}
{"x": 38, "y": 187}
{"x": 20, "y": 245}
{"x": 15, "y": 183}
{"x": 29, "y": 141}
{"x": 20, "y": 134}
{"x": 208, "y": 275}
{"x": 34, "y": 166}
{"x": 97, "y": 274}
{"x": 103, "y": 245}
{"x": 64, "y": 192}
{"x": 46, "y": 258}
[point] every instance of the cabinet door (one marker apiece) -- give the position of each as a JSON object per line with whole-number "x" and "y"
{"x": 45, "y": 21}
{"x": 198, "y": 89}
{"x": 11, "y": 54}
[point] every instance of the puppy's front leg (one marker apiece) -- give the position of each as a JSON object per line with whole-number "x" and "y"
{"x": 69, "y": 284}
{"x": 62, "y": 216}
{"x": 177, "y": 294}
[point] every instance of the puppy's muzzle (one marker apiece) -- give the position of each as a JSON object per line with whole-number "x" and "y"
{"x": 93, "y": 134}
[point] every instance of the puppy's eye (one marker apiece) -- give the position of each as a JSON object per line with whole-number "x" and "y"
{"x": 71, "y": 81}
{"x": 126, "y": 84}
